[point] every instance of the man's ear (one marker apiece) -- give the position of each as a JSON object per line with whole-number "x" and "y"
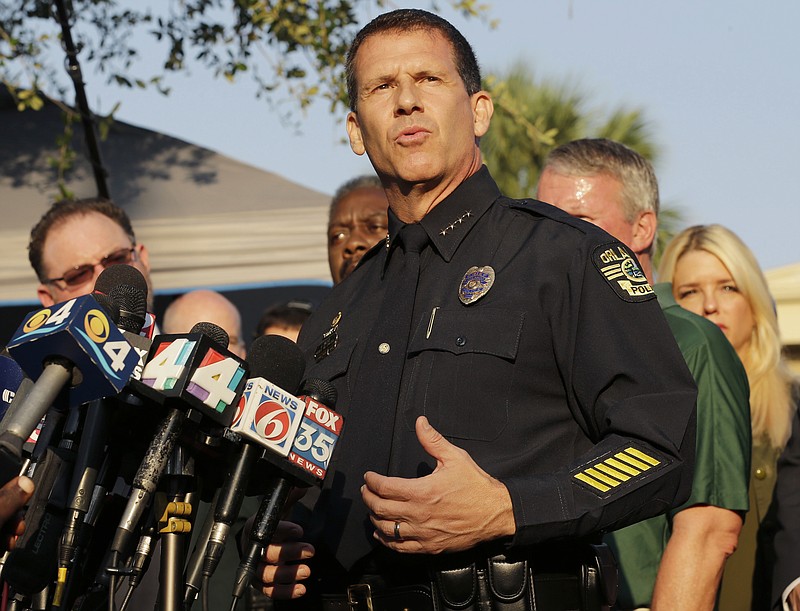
{"x": 482, "y": 111}
{"x": 144, "y": 256}
{"x": 354, "y": 133}
{"x": 644, "y": 232}
{"x": 45, "y": 298}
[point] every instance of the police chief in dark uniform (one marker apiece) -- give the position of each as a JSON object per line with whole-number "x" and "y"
{"x": 509, "y": 385}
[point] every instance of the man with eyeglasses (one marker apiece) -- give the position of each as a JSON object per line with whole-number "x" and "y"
{"x": 75, "y": 240}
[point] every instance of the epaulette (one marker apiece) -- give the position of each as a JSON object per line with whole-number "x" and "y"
{"x": 543, "y": 209}
{"x": 614, "y": 261}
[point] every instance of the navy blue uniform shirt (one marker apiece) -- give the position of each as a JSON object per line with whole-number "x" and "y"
{"x": 562, "y": 380}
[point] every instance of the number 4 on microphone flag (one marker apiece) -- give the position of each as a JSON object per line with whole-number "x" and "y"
{"x": 80, "y": 331}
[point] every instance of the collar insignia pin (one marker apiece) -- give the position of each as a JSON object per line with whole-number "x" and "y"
{"x": 458, "y": 221}
{"x": 476, "y": 283}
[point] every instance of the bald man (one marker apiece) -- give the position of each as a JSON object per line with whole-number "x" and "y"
{"x": 205, "y": 306}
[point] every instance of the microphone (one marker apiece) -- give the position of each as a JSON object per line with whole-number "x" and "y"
{"x": 123, "y": 292}
{"x": 267, "y": 420}
{"x": 32, "y": 564}
{"x": 319, "y": 432}
{"x": 71, "y": 343}
{"x": 15, "y": 394}
{"x": 196, "y": 378}
{"x": 11, "y": 376}
{"x": 305, "y": 464}
{"x": 127, "y": 287}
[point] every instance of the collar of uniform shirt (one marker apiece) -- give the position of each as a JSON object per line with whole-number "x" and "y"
{"x": 448, "y": 223}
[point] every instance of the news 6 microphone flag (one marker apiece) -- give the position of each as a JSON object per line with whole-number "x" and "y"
{"x": 80, "y": 331}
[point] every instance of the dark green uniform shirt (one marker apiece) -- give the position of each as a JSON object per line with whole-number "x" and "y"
{"x": 722, "y": 464}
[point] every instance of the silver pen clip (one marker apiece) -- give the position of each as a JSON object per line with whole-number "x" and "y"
{"x": 430, "y": 323}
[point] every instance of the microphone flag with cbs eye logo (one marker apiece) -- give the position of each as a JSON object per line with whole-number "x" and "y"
{"x": 192, "y": 370}
{"x": 80, "y": 331}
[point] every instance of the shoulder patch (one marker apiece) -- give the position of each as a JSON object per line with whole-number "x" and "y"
{"x": 620, "y": 269}
{"x": 615, "y": 472}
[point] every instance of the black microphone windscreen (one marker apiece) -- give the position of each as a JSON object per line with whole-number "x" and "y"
{"x": 321, "y": 390}
{"x": 120, "y": 274}
{"x": 215, "y": 332}
{"x": 109, "y": 305}
{"x": 132, "y": 302}
{"x": 278, "y": 360}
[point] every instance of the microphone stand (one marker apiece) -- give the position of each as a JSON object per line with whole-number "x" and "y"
{"x": 175, "y": 526}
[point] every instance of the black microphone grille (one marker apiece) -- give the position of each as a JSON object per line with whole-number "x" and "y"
{"x": 321, "y": 390}
{"x": 278, "y": 360}
{"x": 109, "y": 305}
{"x": 120, "y": 274}
{"x": 132, "y": 303}
{"x": 215, "y": 332}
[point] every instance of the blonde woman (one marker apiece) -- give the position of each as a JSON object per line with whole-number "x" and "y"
{"x": 715, "y": 275}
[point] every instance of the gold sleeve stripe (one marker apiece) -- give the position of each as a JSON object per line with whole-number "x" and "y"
{"x": 592, "y": 482}
{"x": 642, "y": 456}
{"x": 603, "y": 478}
{"x": 622, "y": 466}
{"x": 612, "y": 472}
{"x": 632, "y": 461}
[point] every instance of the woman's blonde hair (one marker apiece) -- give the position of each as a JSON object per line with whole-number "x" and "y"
{"x": 771, "y": 404}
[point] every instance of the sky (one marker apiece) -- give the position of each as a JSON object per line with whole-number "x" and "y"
{"x": 717, "y": 81}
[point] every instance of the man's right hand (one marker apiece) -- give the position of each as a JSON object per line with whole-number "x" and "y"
{"x": 282, "y": 570}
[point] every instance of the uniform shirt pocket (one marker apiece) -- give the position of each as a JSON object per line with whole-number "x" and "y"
{"x": 463, "y": 371}
{"x": 333, "y": 368}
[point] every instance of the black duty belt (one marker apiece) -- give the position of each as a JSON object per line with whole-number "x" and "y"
{"x": 496, "y": 583}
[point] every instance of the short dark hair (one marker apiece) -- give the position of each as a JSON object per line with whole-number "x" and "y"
{"x": 367, "y": 181}
{"x": 289, "y": 315}
{"x": 59, "y": 212}
{"x": 409, "y": 20}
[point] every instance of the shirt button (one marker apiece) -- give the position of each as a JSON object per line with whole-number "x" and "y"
{"x": 460, "y": 341}
{"x": 384, "y": 348}
{"x": 761, "y": 473}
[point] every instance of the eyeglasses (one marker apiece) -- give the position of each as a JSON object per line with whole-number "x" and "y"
{"x": 81, "y": 274}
